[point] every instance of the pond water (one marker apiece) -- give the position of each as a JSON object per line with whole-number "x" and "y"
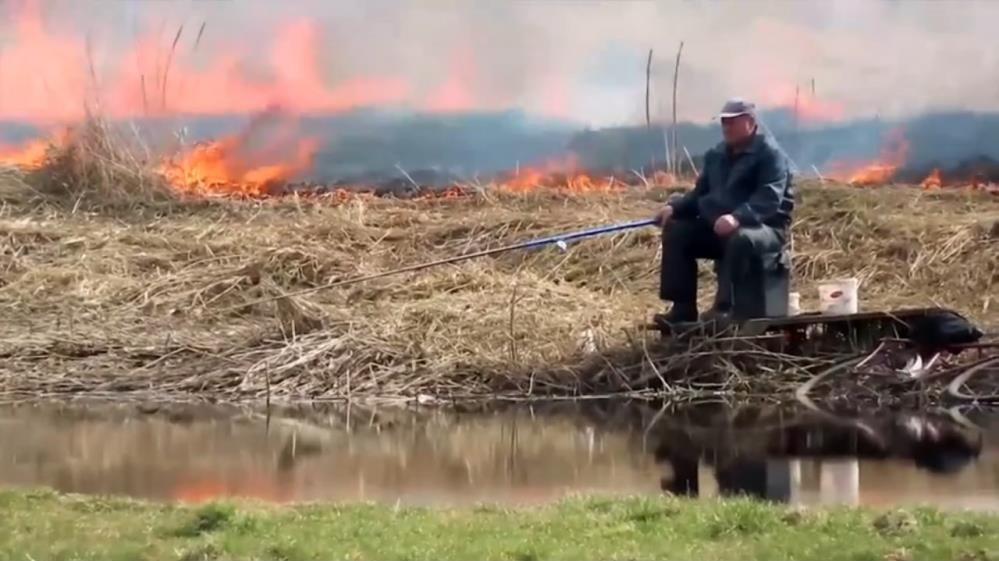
{"x": 516, "y": 455}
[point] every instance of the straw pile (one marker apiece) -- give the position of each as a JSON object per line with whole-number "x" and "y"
{"x": 161, "y": 299}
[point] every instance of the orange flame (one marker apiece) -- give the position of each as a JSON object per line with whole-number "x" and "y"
{"x": 873, "y": 174}
{"x": 562, "y": 174}
{"x": 881, "y": 170}
{"x": 535, "y": 177}
{"x": 233, "y": 165}
{"x": 28, "y": 156}
{"x": 977, "y": 181}
{"x": 31, "y": 155}
{"x": 933, "y": 180}
{"x": 217, "y": 168}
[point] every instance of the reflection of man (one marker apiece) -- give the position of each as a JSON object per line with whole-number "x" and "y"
{"x": 756, "y": 478}
{"x": 745, "y": 476}
{"x": 683, "y": 480}
{"x": 740, "y": 208}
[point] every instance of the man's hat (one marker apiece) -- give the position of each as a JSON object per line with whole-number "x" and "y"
{"x": 737, "y": 106}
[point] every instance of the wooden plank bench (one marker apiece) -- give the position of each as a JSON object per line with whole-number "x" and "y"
{"x": 811, "y": 332}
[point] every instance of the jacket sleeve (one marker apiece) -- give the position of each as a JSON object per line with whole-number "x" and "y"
{"x": 766, "y": 198}
{"x": 686, "y": 206}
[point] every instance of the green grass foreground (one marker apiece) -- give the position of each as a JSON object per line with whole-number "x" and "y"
{"x": 45, "y": 525}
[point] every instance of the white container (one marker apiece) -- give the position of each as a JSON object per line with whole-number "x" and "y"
{"x": 839, "y": 482}
{"x": 793, "y": 303}
{"x": 839, "y": 296}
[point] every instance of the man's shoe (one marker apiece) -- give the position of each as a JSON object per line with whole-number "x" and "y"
{"x": 716, "y": 314}
{"x": 677, "y": 315}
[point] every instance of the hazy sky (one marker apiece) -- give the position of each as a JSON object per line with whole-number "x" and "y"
{"x": 578, "y": 59}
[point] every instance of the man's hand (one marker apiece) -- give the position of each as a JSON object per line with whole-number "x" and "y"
{"x": 663, "y": 216}
{"x": 725, "y": 225}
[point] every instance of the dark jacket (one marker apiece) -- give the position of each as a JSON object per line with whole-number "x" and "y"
{"x": 754, "y": 186}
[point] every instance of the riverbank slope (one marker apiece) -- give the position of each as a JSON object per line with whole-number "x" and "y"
{"x": 183, "y": 299}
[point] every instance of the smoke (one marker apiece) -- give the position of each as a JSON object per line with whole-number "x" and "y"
{"x": 482, "y": 86}
{"x": 582, "y": 61}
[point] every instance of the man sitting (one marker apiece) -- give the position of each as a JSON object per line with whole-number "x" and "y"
{"x": 740, "y": 209}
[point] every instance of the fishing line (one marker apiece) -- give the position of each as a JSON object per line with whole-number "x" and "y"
{"x": 560, "y": 241}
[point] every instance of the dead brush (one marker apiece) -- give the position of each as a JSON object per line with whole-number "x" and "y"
{"x": 158, "y": 305}
{"x": 98, "y": 165}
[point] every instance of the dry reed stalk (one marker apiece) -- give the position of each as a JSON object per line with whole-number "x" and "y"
{"x": 97, "y": 165}
{"x": 675, "y": 159}
{"x": 648, "y": 80}
{"x": 169, "y": 62}
{"x": 145, "y": 95}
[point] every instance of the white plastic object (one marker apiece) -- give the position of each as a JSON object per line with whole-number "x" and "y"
{"x": 794, "y": 303}
{"x": 839, "y": 296}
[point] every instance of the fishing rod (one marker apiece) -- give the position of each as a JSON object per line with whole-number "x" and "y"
{"x": 558, "y": 240}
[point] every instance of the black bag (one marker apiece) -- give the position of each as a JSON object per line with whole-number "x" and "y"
{"x": 942, "y": 330}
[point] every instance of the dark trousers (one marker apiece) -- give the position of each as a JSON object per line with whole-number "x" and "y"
{"x": 686, "y": 241}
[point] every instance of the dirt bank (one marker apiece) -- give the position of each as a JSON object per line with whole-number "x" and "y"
{"x": 156, "y": 299}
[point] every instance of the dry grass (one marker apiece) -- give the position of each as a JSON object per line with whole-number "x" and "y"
{"x": 158, "y": 298}
{"x": 96, "y": 165}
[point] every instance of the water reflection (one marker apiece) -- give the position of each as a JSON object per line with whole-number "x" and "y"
{"x": 880, "y": 458}
{"x": 518, "y": 455}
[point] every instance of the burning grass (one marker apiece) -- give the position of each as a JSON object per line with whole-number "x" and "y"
{"x": 93, "y": 164}
{"x": 171, "y": 299}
